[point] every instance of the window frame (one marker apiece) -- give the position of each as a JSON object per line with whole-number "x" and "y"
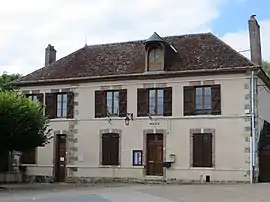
{"x": 112, "y": 102}
{"x": 203, "y": 110}
{"x": 62, "y": 104}
{"x": 156, "y": 99}
{"x": 155, "y": 64}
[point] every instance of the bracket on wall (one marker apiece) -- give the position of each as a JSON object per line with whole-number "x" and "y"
{"x": 129, "y": 117}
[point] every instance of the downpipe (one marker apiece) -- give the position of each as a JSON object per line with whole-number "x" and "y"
{"x": 253, "y": 131}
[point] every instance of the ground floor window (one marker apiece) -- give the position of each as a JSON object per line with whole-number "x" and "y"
{"x": 28, "y": 157}
{"x": 110, "y": 149}
{"x": 202, "y": 150}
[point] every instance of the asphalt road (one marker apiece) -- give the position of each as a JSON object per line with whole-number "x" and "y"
{"x": 139, "y": 193}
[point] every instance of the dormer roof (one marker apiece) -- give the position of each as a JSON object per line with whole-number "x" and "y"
{"x": 154, "y": 39}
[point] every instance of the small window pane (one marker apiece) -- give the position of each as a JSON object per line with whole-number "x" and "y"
{"x": 116, "y": 103}
{"x": 152, "y": 56}
{"x": 64, "y": 114}
{"x": 109, "y": 95}
{"x": 160, "y": 106}
{"x": 59, "y": 98}
{"x": 59, "y": 113}
{"x": 34, "y": 98}
{"x": 157, "y": 54}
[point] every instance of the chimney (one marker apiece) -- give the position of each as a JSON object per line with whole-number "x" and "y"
{"x": 255, "y": 40}
{"x": 50, "y": 54}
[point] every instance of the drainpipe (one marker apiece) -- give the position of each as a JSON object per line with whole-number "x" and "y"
{"x": 253, "y": 132}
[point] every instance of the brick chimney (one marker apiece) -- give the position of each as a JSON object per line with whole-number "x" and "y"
{"x": 255, "y": 40}
{"x": 50, "y": 54}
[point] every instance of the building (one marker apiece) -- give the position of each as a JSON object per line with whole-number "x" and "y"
{"x": 186, "y": 108}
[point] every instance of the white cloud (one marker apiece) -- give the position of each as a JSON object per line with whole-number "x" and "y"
{"x": 240, "y": 40}
{"x": 28, "y": 26}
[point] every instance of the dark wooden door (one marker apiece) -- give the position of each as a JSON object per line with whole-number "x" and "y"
{"x": 60, "y": 159}
{"x": 264, "y": 164}
{"x": 154, "y": 164}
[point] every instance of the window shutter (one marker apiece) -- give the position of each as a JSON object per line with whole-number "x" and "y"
{"x": 207, "y": 150}
{"x": 142, "y": 99}
{"x": 100, "y": 104}
{"x": 106, "y": 149}
{"x": 216, "y": 100}
{"x": 114, "y": 143}
{"x": 122, "y": 103}
{"x": 197, "y": 150}
{"x": 50, "y": 102}
{"x": 189, "y": 100}
{"x": 70, "y": 105}
{"x": 167, "y": 107}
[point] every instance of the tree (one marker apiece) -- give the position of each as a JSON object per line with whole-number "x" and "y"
{"x": 22, "y": 123}
{"x": 5, "y": 80}
{"x": 266, "y": 67}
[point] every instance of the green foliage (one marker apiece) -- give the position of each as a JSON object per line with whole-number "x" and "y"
{"x": 266, "y": 67}
{"x": 22, "y": 123}
{"x": 5, "y": 80}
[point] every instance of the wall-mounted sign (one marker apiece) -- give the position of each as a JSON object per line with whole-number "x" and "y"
{"x": 154, "y": 124}
{"x": 137, "y": 157}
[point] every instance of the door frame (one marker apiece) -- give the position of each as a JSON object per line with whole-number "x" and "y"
{"x": 54, "y": 155}
{"x": 145, "y": 152}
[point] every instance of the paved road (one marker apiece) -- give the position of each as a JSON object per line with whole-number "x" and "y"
{"x": 142, "y": 193}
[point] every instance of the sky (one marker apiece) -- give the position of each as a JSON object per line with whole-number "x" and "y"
{"x": 28, "y": 26}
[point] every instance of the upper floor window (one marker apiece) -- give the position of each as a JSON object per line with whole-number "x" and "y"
{"x": 199, "y": 100}
{"x": 157, "y": 101}
{"x": 155, "y": 59}
{"x": 111, "y": 103}
{"x": 59, "y": 105}
{"x": 112, "y": 100}
{"x": 62, "y": 105}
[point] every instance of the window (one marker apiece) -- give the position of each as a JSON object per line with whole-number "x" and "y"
{"x": 154, "y": 55}
{"x": 155, "y": 59}
{"x": 110, "y": 149}
{"x": 59, "y": 105}
{"x": 111, "y": 103}
{"x": 203, "y": 100}
{"x": 154, "y": 101}
{"x": 199, "y": 100}
{"x": 112, "y": 98}
{"x": 28, "y": 157}
{"x": 36, "y": 97}
{"x": 202, "y": 150}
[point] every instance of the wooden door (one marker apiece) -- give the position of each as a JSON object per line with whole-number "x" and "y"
{"x": 60, "y": 159}
{"x": 154, "y": 160}
{"x": 264, "y": 164}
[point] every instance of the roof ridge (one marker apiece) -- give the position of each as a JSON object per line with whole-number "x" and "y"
{"x": 142, "y": 40}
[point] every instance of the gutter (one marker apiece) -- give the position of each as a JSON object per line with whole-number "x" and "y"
{"x": 135, "y": 76}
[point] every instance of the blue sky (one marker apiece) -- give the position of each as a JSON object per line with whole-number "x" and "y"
{"x": 27, "y": 27}
{"x": 234, "y": 15}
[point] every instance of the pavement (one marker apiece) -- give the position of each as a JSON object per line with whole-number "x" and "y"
{"x": 135, "y": 193}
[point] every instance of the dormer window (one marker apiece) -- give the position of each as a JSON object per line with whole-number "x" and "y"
{"x": 154, "y": 52}
{"x": 154, "y": 55}
{"x": 155, "y": 59}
